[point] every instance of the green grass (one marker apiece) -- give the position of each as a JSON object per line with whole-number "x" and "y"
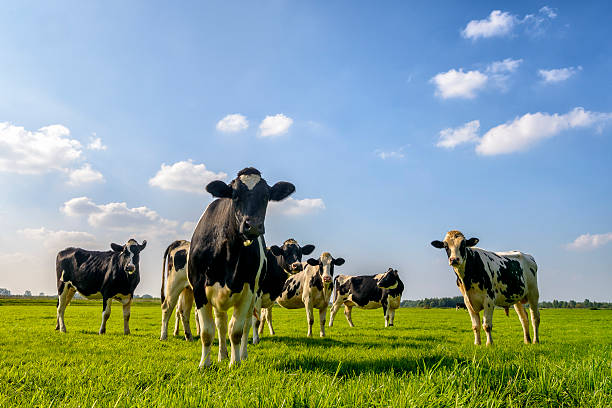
{"x": 427, "y": 359}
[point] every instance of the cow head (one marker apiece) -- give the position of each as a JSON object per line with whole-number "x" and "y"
{"x": 290, "y": 255}
{"x": 129, "y": 257}
{"x": 326, "y": 265}
{"x": 388, "y": 280}
{"x": 455, "y": 245}
{"x": 250, "y": 195}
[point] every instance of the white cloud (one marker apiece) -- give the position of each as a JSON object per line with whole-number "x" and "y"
{"x": 497, "y": 24}
{"x": 590, "y": 241}
{"x": 118, "y": 216}
{"x": 233, "y": 123}
{"x": 47, "y": 149}
{"x": 58, "y": 240}
{"x": 530, "y": 128}
{"x": 392, "y": 154}
{"x": 292, "y": 206}
{"x": 185, "y": 176}
{"x": 459, "y": 84}
{"x": 502, "y": 23}
{"x": 451, "y": 137}
{"x": 275, "y": 125}
{"x": 85, "y": 175}
{"x": 95, "y": 143}
{"x": 558, "y": 75}
{"x": 505, "y": 66}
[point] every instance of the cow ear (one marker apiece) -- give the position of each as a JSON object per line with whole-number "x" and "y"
{"x": 143, "y": 245}
{"x": 312, "y": 261}
{"x": 219, "y": 189}
{"x": 276, "y": 251}
{"x": 307, "y": 249}
{"x": 281, "y": 190}
{"x": 338, "y": 261}
{"x": 471, "y": 242}
{"x": 437, "y": 244}
{"x": 116, "y": 247}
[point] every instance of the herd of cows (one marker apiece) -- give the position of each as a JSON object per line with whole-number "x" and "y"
{"x": 227, "y": 265}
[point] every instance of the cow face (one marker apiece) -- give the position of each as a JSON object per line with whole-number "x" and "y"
{"x": 250, "y": 195}
{"x": 291, "y": 258}
{"x": 388, "y": 280}
{"x": 455, "y": 245}
{"x": 326, "y": 265}
{"x": 129, "y": 258}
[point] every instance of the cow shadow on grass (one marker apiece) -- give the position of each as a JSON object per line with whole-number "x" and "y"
{"x": 326, "y": 342}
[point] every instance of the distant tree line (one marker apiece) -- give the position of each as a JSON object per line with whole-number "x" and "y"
{"x": 7, "y": 293}
{"x": 555, "y": 304}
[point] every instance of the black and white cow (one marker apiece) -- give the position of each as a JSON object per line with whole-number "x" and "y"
{"x": 177, "y": 291}
{"x": 227, "y": 257}
{"x": 368, "y": 292}
{"x": 99, "y": 275}
{"x": 282, "y": 262}
{"x": 311, "y": 289}
{"x": 488, "y": 279}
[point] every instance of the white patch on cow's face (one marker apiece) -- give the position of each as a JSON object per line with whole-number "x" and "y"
{"x": 130, "y": 262}
{"x": 250, "y": 180}
{"x": 326, "y": 261}
{"x": 453, "y": 241}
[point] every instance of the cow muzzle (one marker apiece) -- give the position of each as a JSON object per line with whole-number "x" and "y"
{"x": 130, "y": 269}
{"x": 251, "y": 230}
{"x": 296, "y": 267}
{"x": 453, "y": 261}
{"x": 327, "y": 279}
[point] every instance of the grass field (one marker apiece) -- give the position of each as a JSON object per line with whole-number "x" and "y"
{"x": 427, "y": 359}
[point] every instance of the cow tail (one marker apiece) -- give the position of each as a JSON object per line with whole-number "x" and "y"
{"x": 163, "y": 295}
{"x": 335, "y": 288}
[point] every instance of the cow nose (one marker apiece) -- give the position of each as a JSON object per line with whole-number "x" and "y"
{"x": 327, "y": 279}
{"x": 130, "y": 268}
{"x": 250, "y": 228}
{"x": 296, "y": 266}
{"x": 453, "y": 261}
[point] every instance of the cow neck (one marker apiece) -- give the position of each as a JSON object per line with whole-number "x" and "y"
{"x": 466, "y": 271}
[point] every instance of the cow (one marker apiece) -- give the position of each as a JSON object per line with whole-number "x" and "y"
{"x": 368, "y": 292}
{"x": 311, "y": 288}
{"x": 226, "y": 259}
{"x": 177, "y": 289}
{"x": 487, "y": 279}
{"x": 460, "y": 306}
{"x": 281, "y": 263}
{"x": 99, "y": 275}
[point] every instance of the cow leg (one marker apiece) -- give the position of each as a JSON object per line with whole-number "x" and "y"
{"x": 535, "y": 318}
{"x": 520, "y": 311}
{"x": 242, "y": 311}
{"x": 263, "y": 319}
{"x": 247, "y": 327}
{"x": 126, "y": 316}
{"x": 332, "y": 313}
{"x": 63, "y": 301}
{"x": 391, "y": 316}
{"x": 106, "y": 311}
{"x": 348, "y": 312}
{"x": 269, "y": 320}
{"x": 172, "y": 296}
{"x": 488, "y": 321}
{"x": 185, "y": 305}
{"x": 208, "y": 333}
{"x": 322, "y": 313}
{"x": 386, "y": 313}
{"x": 221, "y": 320}
{"x": 177, "y": 316}
{"x": 309, "y": 318}
{"x": 256, "y": 323}
{"x": 475, "y": 326}
{"x": 197, "y": 321}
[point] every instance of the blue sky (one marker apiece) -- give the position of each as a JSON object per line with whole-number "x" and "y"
{"x": 396, "y": 121}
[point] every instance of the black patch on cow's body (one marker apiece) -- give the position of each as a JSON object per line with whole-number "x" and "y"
{"x": 316, "y": 281}
{"x": 476, "y": 273}
{"x": 180, "y": 259}
{"x": 533, "y": 271}
{"x": 511, "y": 275}
{"x": 91, "y": 272}
{"x": 364, "y": 289}
{"x": 291, "y": 287}
{"x": 274, "y": 279}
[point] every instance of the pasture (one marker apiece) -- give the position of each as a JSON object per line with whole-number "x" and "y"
{"x": 426, "y": 359}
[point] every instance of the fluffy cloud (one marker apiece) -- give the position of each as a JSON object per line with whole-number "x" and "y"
{"x": 95, "y": 143}
{"x": 233, "y": 123}
{"x": 590, "y": 241}
{"x": 502, "y": 23}
{"x": 459, "y": 84}
{"x": 58, "y": 239}
{"x": 506, "y": 66}
{"x": 275, "y": 125}
{"x": 451, "y": 137}
{"x": 85, "y": 175}
{"x": 530, "y": 128}
{"x": 185, "y": 176}
{"x": 292, "y": 206}
{"x": 498, "y": 24}
{"x": 558, "y": 75}
{"x": 25, "y": 152}
{"x": 118, "y": 216}
{"x": 393, "y": 154}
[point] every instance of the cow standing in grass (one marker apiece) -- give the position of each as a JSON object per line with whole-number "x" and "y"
{"x": 367, "y": 292}
{"x": 175, "y": 289}
{"x": 227, "y": 257}
{"x": 99, "y": 275}
{"x": 488, "y": 279}
{"x": 311, "y": 289}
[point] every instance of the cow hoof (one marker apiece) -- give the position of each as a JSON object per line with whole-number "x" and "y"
{"x": 205, "y": 364}
{"x": 162, "y": 337}
{"x": 189, "y": 338}
{"x": 322, "y": 334}
{"x": 391, "y": 325}
{"x": 255, "y": 341}
{"x": 126, "y": 332}
{"x": 102, "y": 332}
